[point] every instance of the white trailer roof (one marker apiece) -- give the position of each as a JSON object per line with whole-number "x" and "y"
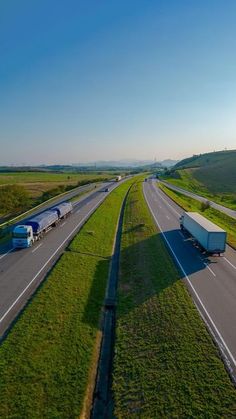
{"x": 206, "y": 224}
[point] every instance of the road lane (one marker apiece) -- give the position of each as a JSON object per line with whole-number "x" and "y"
{"x": 210, "y": 280}
{"x": 21, "y": 271}
{"x": 228, "y": 211}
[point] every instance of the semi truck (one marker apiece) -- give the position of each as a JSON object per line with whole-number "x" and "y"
{"x": 118, "y": 178}
{"x": 207, "y": 235}
{"x": 24, "y": 235}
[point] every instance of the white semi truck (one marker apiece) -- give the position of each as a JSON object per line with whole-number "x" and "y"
{"x": 118, "y": 178}
{"x": 206, "y": 234}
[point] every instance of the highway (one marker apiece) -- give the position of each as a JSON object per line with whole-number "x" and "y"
{"x": 21, "y": 271}
{"x": 210, "y": 280}
{"x": 228, "y": 211}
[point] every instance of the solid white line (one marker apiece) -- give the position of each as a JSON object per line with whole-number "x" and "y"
{"x": 62, "y": 225}
{"x": 36, "y": 248}
{"x": 229, "y": 262}
{"x": 167, "y": 203}
{"x": 5, "y": 254}
{"x": 190, "y": 284}
{"x": 167, "y": 217}
{"x": 208, "y": 267}
{"x": 51, "y": 257}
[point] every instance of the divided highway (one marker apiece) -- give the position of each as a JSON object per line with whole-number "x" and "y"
{"x": 21, "y": 271}
{"x": 210, "y": 280}
{"x": 227, "y": 211}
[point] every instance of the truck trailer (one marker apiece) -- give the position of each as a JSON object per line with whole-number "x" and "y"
{"x": 206, "y": 234}
{"x": 63, "y": 209}
{"x": 118, "y": 178}
{"x": 24, "y": 235}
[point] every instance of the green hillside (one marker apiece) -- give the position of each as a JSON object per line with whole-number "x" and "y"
{"x": 212, "y": 175}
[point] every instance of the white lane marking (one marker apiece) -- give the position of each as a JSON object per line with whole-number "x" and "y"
{"x": 78, "y": 211}
{"x": 36, "y": 248}
{"x": 208, "y": 267}
{"x": 167, "y": 203}
{"x": 51, "y": 257}
{"x": 227, "y": 260}
{"x": 62, "y": 225}
{"x": 167, "y": 217}
{"x": 5, "y": 254}
{"x": 192, "y": 287}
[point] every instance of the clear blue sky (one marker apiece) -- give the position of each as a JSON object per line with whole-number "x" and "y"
{"x": 95, "y": 79}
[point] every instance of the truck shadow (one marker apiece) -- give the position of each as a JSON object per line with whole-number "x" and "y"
{"x": 146, "y": 267}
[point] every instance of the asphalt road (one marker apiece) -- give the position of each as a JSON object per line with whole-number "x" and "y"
{"x": 21, "y": 271}
{"x": 210, "y": 280}
{"x": 200, "y": 198}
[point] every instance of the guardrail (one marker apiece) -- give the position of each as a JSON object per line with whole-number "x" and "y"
{"x": 12, "y": 220}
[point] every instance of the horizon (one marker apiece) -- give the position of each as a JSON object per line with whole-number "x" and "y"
{"x": 125, "y": 162}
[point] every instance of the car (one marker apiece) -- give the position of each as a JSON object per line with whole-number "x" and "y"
{"x": 106, "y": 190}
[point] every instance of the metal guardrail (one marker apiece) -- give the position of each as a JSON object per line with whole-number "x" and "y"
{"x": 12, "y": 220}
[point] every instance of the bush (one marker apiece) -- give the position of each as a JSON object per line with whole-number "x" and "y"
{"x": 205, "y": 205}
{"x": 13, "y": 198}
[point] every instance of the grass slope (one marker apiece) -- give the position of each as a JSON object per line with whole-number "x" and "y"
{"x": 166, "y": 364}
{"x": 212, "y": 175}
{"x": 217, "y": 217}
{"x": 49, "y": 355}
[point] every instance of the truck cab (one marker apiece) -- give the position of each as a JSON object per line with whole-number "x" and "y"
{"x": 22, "y": 236}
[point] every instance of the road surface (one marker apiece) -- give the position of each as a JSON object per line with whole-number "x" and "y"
{"x": 210, "y": 280}
{"x": 200, "y": 198}
{"x": 21, "y": 271}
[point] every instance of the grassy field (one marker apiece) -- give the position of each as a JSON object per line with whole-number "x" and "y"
{"x": 166, "y": 365}
{"x": 217, "y": 217}
{"x": 212, "y": 175}
{"x": 38, "y": 187}
{"x": 48, "y": 360}
{"x": 37, "y": 183}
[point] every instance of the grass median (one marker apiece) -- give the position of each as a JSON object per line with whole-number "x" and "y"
{"x": 190, "y": 204}
{"x": 166, "y": 364}
{"x": 48, "y": 360}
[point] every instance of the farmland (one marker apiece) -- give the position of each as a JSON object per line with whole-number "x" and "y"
{"x": 217, "y": 217}
{"x": 48, "y": 360}
{"x": 37, "y": 187}
{"x": 166, "y": 364}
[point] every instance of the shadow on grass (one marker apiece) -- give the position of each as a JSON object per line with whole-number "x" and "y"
{"x": 142, "y": 262}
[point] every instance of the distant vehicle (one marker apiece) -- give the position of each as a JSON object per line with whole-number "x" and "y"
{"x": 118, "y": 178}
{"x": 25, "y": 235}
{"x": 145, "y": 179}
{"x": 106, "y": 190}
{"x": 208, "y": 236}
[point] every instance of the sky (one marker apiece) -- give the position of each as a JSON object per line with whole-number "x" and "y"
{"x": 90, "y": 80}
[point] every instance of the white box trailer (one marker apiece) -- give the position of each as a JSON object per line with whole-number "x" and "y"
{"x": 207, "y": 234}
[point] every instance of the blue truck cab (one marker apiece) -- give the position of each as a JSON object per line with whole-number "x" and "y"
{"x": 22, "y": 236}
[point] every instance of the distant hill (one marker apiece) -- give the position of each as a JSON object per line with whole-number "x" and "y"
{"x": 169, "y": 163}
{"x": 215, "y": 171}
{"x": 212, "y": 175}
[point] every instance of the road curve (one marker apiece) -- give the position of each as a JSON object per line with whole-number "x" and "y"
{"x": 210, "y": 280}
{"x": 21, "y": 271}
{"x": 200, "y": 198}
